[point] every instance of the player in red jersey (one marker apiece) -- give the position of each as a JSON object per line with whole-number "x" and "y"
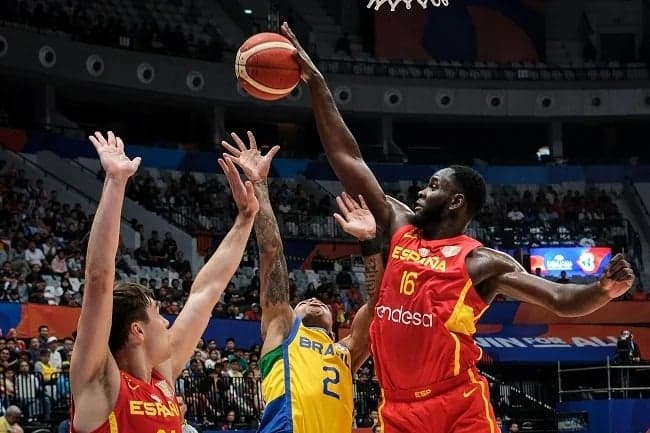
{"x": 126, "y": 360}
{"x": 436, "y": 285}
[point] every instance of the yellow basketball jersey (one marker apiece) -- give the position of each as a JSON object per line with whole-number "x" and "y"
{"x": 307, "y": 384}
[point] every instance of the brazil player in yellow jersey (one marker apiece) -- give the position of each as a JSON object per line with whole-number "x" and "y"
{"x": 306, "y": 375}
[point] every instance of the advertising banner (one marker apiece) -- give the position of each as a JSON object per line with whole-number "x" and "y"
{"x": 575, "y": 261}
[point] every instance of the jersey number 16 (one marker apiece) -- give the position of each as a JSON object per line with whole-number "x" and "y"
{"x": 407, "y": 285}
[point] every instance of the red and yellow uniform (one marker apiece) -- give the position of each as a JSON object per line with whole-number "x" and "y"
{"x": 143, "y": 407}
{"x": 421, "y": 339}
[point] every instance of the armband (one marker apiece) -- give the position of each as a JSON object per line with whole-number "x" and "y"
{"x": 370, "y": 247}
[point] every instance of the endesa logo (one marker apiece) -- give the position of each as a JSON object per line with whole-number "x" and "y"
{"x": 404, "y": 317}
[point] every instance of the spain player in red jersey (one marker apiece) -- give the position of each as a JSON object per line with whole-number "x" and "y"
{"x": 437, "y": 283}
{"x": 126, "y": 360}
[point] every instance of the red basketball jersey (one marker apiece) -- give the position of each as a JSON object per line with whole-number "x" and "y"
{"x": 143, "y": 407}
{"x": 426, "y": 313}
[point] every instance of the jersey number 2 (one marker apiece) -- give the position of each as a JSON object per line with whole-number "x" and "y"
{"x": 334, "y": 379}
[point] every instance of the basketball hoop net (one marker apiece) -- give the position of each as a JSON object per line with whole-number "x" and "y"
{"x": 393, "y": 3}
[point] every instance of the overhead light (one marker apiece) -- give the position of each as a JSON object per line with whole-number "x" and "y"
{"x": 543, "y": 151}
{"x": 248, "y": 11}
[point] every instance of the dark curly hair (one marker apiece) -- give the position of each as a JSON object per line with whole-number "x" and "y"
{"x": 472, "y": 185}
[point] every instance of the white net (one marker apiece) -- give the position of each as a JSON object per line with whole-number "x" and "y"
{"x": 376, "y": 4}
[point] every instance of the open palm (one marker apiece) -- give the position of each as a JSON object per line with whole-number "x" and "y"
{"x": 254, "y": 165}
{"x": 110, "y": 150}
{"x": 242, "y": 193}
{"x": 355, "y": 217}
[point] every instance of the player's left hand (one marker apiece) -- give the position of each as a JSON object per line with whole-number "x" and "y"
{"x": 114, "y": 161}
{"x": 355, "y": 218}
{"x": 618, "y": 277}
{"x": 255, "y": 166}
{"x": 242, "y": 194}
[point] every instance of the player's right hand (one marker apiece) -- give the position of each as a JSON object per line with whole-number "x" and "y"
{"x": 242, "y": 193}
{"x": 112, "y": 157}
{"x": 254, "y": 165}
{"x": 355, "y": 218}
{"x": 308, "y": 69}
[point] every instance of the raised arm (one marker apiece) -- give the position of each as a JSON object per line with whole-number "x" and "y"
{"x": 340, "y": 146}
{"x": 92, "y": 366}
{"x": 496, "y": 272}
{"x": 356, "y": 220}
{"x": 213, "y": 278}
{"x": 277, "y": 314}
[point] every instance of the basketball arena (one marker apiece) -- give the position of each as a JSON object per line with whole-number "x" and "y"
{"x": 547, "y": 100}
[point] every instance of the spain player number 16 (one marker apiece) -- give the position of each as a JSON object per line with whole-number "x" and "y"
{"x": 407, "y": 285}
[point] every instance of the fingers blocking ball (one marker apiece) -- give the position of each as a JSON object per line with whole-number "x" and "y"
{"x": 266, "y": 68}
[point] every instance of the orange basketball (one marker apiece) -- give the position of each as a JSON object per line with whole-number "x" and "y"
{"x": 265, "y": 66}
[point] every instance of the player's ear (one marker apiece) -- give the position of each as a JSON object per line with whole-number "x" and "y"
{"x": 136, "y": 330}
{"x": 457, "y": 201}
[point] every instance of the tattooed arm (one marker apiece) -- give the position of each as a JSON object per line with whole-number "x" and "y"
{"x": 357, "y": 341}
{"x": 356, "y": 219}
{"x": 277, "y": 314}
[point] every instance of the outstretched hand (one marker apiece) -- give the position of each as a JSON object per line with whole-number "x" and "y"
{"x": 242, "y": 194}
{"x": 250, "y": 160}
{"x": 112, "y": 157}
{"x": 618, "y": 277}
{"x": 355, "y": 218}
{"x": 308, "y": 69}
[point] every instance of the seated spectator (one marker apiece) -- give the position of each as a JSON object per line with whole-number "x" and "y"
{"x": 43, "y": 366}
{"x": 6, "y": 363}
{"x": 55, "y": 360}
{"x": 76, "y": 264}
{"x": 515, "y": 214}
{"x": 180, "y": 265}
{"x": 59, "y": 263}
{"x": 587, "y": 241}
{"x": 252, "y": 297}
{"x": 34, "y": 255}
{"x": 563, "y": 278}
{"x": 254, "y": 313}
{"x": 35, "y": 275}
{"x": 219, "y": 311}
{"x": 230, "y": 422}
{"x": 214, "y": 360}
{"x": 9, "y": 421}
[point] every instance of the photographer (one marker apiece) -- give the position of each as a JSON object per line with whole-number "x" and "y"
{"x": 627, "y": 353}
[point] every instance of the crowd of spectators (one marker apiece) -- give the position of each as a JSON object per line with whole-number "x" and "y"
{"x": 553, "y": 217}
{"x": 34, "y": 373}
{"x": 40, "y": 239}
{"x": 42, "y": 249}
{"x": 206, "y": 205}
{"x": 42, "y": 252}
{"x": 143, "y": 32}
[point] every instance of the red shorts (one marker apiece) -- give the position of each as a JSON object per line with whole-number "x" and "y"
{"x": 457, "y": 405}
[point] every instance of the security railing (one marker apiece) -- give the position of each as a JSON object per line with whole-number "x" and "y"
{"x": 209, "y": 397}
{"x": 603, "y": 382}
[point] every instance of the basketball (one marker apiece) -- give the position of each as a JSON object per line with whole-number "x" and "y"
{"x": 266, "y": 68}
